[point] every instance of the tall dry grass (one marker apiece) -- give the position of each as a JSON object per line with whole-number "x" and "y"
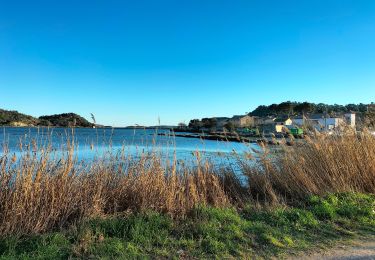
{"x": 341, "y": 162}
{"x": 43, "y": 191}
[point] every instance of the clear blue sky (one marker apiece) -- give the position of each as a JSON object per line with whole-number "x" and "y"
{"x": 132, "y": 61}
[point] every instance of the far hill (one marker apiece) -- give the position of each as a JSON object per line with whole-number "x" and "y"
{"x": 65, "y": 120}
{"x": 14, "y": 118}
{"x": 293, "y": 108}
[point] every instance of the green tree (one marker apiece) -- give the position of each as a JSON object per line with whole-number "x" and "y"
{"x": 304, "y": 107}
{"x": 230, "y": 126}
{"x": 195, "y": 124}
{"x": 209, "y": 122}
{"x": 285, "y": 107}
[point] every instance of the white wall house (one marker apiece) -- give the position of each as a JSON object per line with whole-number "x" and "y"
{"x": 350, "y": 119}
{"x": 323, "y": 123}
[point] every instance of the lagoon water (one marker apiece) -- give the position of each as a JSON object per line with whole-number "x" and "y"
{"x": 91, "y": 143}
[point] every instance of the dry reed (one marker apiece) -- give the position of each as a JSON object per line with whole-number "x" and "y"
{"x": 41, "y": 191}
{"x": 341, "y": 162}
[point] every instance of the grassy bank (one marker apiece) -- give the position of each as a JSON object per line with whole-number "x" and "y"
{"x": 206, "y": 232}
{"x": 317, "y": 192}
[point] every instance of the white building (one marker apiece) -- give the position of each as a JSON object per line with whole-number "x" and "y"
{"x": 322, "y": 122}
{"x": 350, "y": 119}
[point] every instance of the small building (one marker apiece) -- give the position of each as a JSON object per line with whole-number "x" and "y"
{"x": 283, "y": 120}
{"x": 350, "y": 119}
{"x": 282, "y": 123}
{"x": 242, "y": 121}
{"x": 276, "y": 124}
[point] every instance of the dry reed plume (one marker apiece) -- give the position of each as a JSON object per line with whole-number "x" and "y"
{"x": 42, "y": 192}
{"x": 324, "y": 163}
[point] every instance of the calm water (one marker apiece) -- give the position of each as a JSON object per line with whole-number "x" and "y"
{"x": 96, "y": 142}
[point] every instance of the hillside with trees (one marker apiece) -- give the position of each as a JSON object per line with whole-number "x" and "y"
{"x": 364, "y": 116}
{"x": 8, "y": 117}
{"x": 14, "y": 118}
{"x": 295, "y": 108}
{"x": 66, "y": 120}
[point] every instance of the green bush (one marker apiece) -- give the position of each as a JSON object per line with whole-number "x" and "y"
{"x": 284, "y": 217}
{"x": 349, "y": 205}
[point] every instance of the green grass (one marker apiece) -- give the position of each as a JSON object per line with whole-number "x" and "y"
{"x": 206, "y": 232}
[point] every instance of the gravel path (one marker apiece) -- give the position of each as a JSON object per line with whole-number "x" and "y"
{"x": 358, "y": 250}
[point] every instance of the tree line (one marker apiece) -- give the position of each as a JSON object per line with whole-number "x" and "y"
{"x": 295, "y": 108}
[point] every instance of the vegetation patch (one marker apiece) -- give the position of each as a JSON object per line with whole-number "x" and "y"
{"x": 206, "y": 232}
{"x": 120, "y": 207}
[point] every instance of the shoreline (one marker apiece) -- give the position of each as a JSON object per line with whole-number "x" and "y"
{"x": 233, "y": 138}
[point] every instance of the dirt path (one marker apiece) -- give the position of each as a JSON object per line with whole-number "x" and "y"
{"x": 363, "y": 250}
